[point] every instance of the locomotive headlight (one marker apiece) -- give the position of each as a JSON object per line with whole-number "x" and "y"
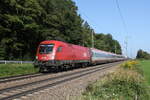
{"x": 36, "y": 57}
{"x": 52, "y": 57}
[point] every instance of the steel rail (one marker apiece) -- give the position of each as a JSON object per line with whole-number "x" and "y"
{"x": 19, "y": 77}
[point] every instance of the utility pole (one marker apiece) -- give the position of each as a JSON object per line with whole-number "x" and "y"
{"x": 126, "y": 46}
{"x": 92, "y": 38}
{"x": 131, "y": 53}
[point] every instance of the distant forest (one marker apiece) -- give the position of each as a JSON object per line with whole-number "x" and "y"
{"x": 25, "y": 23}
{"x": 143, "y": 55}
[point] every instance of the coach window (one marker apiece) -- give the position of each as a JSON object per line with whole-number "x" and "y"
{"x": 59, "y": 49}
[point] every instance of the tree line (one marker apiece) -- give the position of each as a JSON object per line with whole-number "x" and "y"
{"x": 25, "y": 23}
{"x": 143, "y": 54}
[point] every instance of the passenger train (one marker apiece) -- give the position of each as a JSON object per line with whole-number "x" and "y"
{"x": 54, "y": 54}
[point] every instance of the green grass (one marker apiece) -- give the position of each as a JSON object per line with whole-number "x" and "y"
{"x": 126, "y": 83}
{"x": 145, "y": 66}
{"x": 16, "y": 69}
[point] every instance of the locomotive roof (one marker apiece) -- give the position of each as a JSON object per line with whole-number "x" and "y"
{"x": 51, "y": 41}
{"x": 59, "y": 42}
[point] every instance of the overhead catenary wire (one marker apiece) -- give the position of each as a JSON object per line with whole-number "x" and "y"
{"x": 122, "y": 19}
{"x": 90, "y": 20}
{"x": 121, "y": 16}
{"x": 94, "y": 23}
{"x": 124, "y": 25}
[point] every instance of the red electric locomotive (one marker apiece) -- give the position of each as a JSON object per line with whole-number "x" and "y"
{"x": 57, "y": 55}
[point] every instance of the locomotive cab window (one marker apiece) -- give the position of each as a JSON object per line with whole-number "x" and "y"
{"x": 46, "y": 48}
{"x": 59, "y": 49}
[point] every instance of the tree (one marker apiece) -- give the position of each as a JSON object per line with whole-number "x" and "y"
{"x": 25, "y": 23}
{"x": 142, "y": 54}
{"x": 107, "y": 43}
{"x": 19, "y": 28}
{"x": 2, "y": 53}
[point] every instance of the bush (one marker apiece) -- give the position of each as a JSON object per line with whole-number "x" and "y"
{"x": 132, "y": 65}
{"x": 121, "y": 85}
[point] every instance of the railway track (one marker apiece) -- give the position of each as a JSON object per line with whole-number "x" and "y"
{"x": 31, "y": 87}
{"x": 19, "y": 77}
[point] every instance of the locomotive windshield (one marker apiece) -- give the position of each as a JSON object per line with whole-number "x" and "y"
{"x": 46, "y": 48}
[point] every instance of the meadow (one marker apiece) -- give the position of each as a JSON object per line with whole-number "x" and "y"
{"x": 145, "y": 66}
{"x": 16, "y": 69}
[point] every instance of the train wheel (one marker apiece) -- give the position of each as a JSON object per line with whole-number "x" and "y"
{"x": 41, "y": 70}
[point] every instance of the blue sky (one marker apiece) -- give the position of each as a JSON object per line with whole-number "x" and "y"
{"x": 103, "y": 16}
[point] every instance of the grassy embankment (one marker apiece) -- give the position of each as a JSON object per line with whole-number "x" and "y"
{"x": 126, "y": 83}
{"x": 16, "y": 69}
{"x": 145, "y": 66}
